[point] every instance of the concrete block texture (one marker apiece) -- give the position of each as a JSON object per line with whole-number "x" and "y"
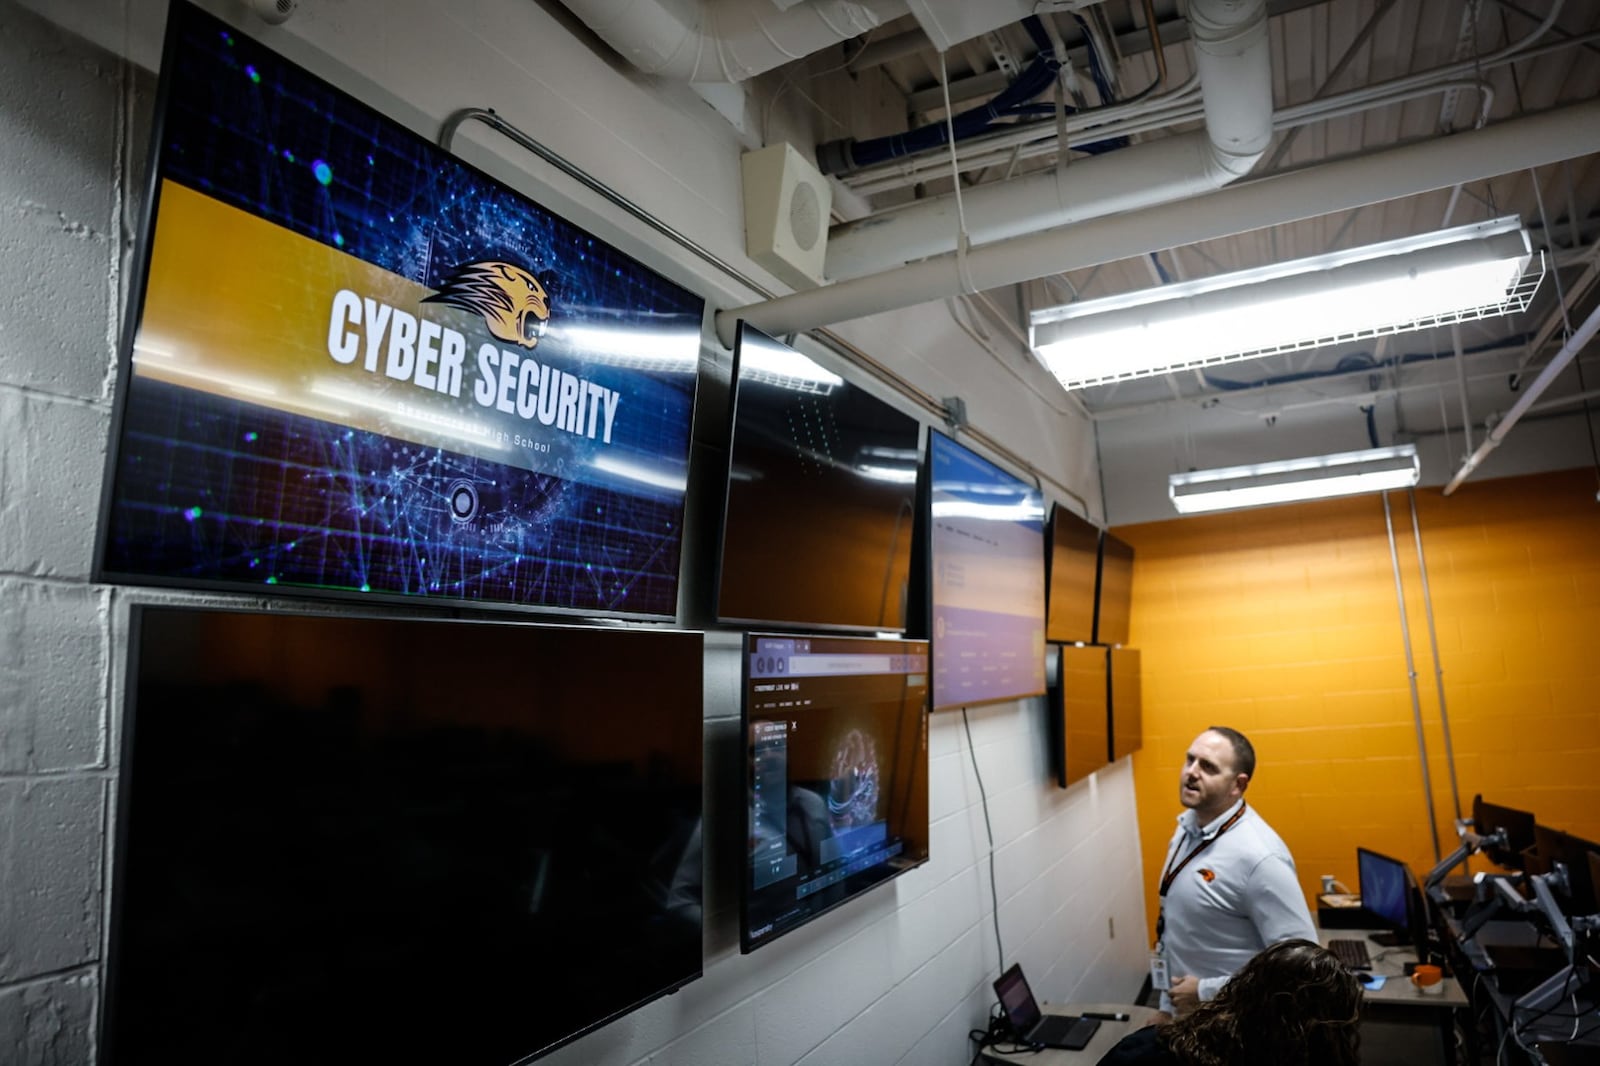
{"x": 52, "y": 458}
{"x": 53, "y": 661}
{"x": 50, "y": 875}
{"x": 62, "y": 128}
{"x": 48, "y": 1023}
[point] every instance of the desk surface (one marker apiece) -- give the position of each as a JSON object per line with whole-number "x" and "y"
{"x": 1390, "y": 964}
{"x": 1104, "y": 1039}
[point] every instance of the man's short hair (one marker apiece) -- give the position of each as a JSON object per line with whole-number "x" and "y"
{"x": 1244, "y": 753}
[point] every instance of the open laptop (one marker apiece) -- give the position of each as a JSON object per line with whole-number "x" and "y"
{"x": 1032, "y": 1026}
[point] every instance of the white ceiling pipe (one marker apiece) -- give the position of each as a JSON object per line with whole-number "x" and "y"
{"x": 726, "y": 40}
{"x": 1145, "y": 174}
{"x": 1569, "y": 351}
{"x": 1233, "y": 58}
{"x": 1538, "y": 140}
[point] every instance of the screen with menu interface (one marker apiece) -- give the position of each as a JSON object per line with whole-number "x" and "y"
{"x": 986, "y": 553}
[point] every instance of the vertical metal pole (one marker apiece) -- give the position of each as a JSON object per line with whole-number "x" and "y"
{"x": 1438, "y": 668}
{"x": 1411, "y": 676}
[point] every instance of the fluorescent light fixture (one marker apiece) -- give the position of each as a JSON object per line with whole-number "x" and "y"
{"x": 1287, "y": 480}
{"x": 1466, "y": 272}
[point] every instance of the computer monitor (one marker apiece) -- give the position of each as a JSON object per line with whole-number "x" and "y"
{"x": 1554, "y": 846}
{"x": 822, "y": 486}
{"x": 1383, "y": 887}
{"x": 1518, "y": 826}
{"x": 390, "y": 839}
{"x": 1390, "y": 894}
{"x": 356, "y": 367}
{"x": 835, "y": 774}
{"x": 1078, "y": 711}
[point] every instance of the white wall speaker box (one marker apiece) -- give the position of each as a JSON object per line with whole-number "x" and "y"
{"x": 786, "y": 206}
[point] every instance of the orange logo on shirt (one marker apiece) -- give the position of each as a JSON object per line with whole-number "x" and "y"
{"x": 1208, "y": 875}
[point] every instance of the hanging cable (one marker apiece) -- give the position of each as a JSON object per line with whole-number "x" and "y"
{"x": 962, "y": 271}
{"x": 989, "y": 831}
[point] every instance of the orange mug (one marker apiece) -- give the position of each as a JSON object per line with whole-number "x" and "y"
{"x": 1428, "y": 978}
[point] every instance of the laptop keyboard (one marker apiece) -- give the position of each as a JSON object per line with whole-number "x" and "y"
{"x": 1352, "y": 953}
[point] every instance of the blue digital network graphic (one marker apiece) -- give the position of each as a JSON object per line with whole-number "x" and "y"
{"x": 212, "y": 489}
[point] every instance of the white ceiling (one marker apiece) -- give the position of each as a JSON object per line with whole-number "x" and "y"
{"x": 1323, "y": 53}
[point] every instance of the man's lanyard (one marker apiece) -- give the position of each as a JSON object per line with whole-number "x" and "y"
{"x": 1174, "y": 867}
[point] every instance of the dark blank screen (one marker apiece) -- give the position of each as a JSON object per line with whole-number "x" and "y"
{"x": 360, "y": 839}
{"x": 821, "y": 489}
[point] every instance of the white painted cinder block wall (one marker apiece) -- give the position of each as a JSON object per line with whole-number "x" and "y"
{"x": 899, "y": 976}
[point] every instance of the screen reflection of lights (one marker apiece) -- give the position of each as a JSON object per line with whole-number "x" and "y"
{"x": 673, "y": 480}
{"x": 670, "y": 351}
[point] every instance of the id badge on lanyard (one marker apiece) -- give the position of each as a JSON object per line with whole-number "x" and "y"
{"x": 1160, "y": 978}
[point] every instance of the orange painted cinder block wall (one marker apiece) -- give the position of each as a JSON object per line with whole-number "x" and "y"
{"x": 1285, "y": 623}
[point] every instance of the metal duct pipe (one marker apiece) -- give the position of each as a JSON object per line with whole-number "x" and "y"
{"x": 1563, "y": 133}
{"x": 1569, "y": 351}
{"x": 726, "y": 40}
{"x": 1233, "y": 58}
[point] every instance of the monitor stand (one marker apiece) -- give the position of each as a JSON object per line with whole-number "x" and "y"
{"x": 1387, "y": 939}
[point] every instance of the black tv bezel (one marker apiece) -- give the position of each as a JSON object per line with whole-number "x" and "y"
{"x": 128, "y": 767}
{"x": 801, "y": 625}
{"x": 746, "y": 650}
{"x": 133, "y": 316}
{"x": 925, "y": 521}
{"x": 1061, "y": 516}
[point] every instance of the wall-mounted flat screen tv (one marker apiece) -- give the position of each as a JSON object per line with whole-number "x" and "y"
{"x": 1073, "y": 567}
{"x": 355, "y": 366}
{"x": 821, "y": 496}
{"x": 379, "y": 840}
{"x": 1114, "y": 597}
{"x": 986, "y": 559}
{"x": 1127, "y": 702}
{"x": 1079, "y": 712}
{"x": 835, "y": 773}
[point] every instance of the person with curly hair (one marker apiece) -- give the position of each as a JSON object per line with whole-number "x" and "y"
{"x": 1294, "y": 1004}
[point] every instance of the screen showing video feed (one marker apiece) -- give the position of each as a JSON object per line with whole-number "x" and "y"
{"x": 821, "y": 496}
{"x": 986, "y": 545}
{"x": 348, "y": 839}
{"x": 836, "y": 773}
{"x": 356, "y": 366}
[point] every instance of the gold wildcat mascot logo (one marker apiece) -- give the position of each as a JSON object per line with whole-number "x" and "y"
{"x": 509, "y": 298}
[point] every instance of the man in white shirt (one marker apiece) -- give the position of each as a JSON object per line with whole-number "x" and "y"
{"x": 1228, "y": 887}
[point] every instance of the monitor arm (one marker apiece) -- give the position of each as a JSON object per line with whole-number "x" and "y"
{"x": 1550, "y": 908}
{"x": 1495, "y": 891}
{"x": 1470, "y": 842}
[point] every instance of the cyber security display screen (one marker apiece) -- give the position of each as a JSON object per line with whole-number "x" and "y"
{"x": 361, "y": 366}
{"x": 987, "y": 557}
{"x": 348, "y": 839}
{"x": 836, "y": 773}
{"x": 821, "y": 496}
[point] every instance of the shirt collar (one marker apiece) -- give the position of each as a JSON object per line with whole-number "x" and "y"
{"x": 1186, "y": 822}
